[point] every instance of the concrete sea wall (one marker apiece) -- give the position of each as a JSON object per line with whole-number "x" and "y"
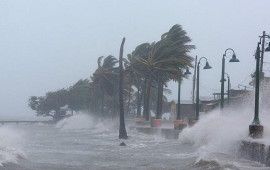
{"x": 255, "y": 151}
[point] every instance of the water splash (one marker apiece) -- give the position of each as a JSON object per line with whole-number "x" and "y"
{"x": 84, "y": 121}
{"x": 221, "y": 132}
{"x": 76, "y": 122}
{"x": 10, "y": 145}
{"x": 218, "y": 132}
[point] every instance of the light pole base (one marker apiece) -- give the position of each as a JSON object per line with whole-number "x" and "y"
{"x": 192, "y": 121}
{"x": 156, "y": 122}
{"x": 256, "y": 131}
{"x": 179, "y": 124}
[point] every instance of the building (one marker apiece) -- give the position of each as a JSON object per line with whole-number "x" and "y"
{"x": 188, "y": 108}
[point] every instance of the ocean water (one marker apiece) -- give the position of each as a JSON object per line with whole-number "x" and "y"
{"x": 84, "y": 143}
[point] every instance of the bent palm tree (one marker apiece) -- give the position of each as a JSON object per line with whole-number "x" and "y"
{"x": 104, "y": 78}
{"x": 166, "y": 59}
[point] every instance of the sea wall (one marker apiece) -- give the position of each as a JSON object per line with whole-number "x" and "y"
{"x": 255, "y": 151}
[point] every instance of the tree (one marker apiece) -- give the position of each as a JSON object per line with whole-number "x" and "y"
{"x": 104, "y": 79}
{"x": 163, "y": 61}
{"x": 122, "y": 128}
{"x": 50, "y": 105}
{"x": 79, "y": 96}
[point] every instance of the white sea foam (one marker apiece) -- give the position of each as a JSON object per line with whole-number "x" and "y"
{"x": 10, "y": 145}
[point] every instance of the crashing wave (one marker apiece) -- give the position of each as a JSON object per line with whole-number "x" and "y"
{"x": 10, "y": 146}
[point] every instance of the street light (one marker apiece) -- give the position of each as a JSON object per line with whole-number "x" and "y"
{"x": 207, "y": 66}
{"x": 256, "y": 129}
{"x": 233, "y": 59}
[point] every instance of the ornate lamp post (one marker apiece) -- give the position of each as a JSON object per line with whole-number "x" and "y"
{"x": 233, "y": 59}
{"x": 256, "y": 129}
{"x": 178, "y": 123}
{"x": 207, "y": 66}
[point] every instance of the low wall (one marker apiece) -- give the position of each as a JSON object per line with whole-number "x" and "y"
{"x": 164, "y": 132}
{"x": 255, "y": 151}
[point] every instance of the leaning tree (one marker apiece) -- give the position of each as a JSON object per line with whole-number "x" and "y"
{"x": 164, "y": 61}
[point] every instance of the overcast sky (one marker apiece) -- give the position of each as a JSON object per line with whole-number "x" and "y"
{"x": 49, "y": 45}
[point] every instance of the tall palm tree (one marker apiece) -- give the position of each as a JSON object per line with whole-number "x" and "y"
{"x": 139, "y": 72}
{"x": 122, "y": 128}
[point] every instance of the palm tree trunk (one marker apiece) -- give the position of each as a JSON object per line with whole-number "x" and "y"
{"x": 138, "y": 103}
{"x": 102, "y": 104}
{"x": 95, "y": 97}
{"x": 161, "y": 98}
{"x": 129, "y": 97}
{"x": 122, "y": 128}
{"x": 148, "y": 99}
{"x": 144, "y": 98}
{"x": 114, "y": 102}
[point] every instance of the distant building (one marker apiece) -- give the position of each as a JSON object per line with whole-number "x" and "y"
{"x": 188, "y": 108}
{"x": 239, "y": 97}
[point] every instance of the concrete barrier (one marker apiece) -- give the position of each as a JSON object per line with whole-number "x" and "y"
{"x": 255, "y": 151}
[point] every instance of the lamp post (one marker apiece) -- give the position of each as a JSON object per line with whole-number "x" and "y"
{"x": 256, "y": 129}
{"x": 233, "y": 59}
{"x": 228, "y": 86}
{"x": 207, "y": 66}
{"x": 178, "y": 123}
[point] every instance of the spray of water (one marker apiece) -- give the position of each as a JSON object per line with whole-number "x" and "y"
{"x": 84, "y": 121}
{"x": 10, "y": 145}
{"x": 221, "y": 132}
{"x": 80, "y": 121}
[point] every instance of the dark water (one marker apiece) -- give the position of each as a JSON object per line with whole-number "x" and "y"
{"x": 76, "y": 146}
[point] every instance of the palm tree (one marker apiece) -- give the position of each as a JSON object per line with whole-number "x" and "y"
{"x": 122, "y": 128}
{"x": 104, "y": 78}
{"x": 165, "y": 59}
{"x": 134, "y": 77}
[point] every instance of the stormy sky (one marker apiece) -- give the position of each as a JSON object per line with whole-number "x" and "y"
{"x": 49, "y": 45}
